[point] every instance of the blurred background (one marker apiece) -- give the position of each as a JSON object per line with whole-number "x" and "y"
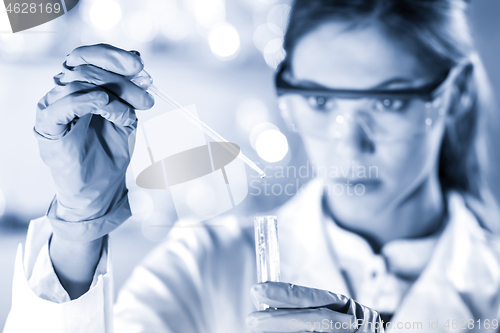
{"x": 217, "y": 54}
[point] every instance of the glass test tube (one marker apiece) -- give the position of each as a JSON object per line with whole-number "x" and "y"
{"x": 266, "y": 250}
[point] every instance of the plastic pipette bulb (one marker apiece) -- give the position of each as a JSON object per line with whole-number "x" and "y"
{"x": 145, "y": 81}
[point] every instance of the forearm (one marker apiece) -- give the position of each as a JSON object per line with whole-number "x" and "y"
{"x": 75, "y": 263}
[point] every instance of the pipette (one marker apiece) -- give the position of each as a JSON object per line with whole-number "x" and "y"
{"x": 145, "y": 81}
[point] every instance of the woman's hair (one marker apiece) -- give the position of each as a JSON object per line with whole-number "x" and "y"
{"x": 438, "y": 32}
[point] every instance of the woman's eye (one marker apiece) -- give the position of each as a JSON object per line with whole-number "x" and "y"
{"x": 320, "y": 103}
{"x": 391, "y": 104}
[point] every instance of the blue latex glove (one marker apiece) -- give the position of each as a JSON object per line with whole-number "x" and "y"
{"x": 297, "y": 306}
{"x": 83, "y": 127}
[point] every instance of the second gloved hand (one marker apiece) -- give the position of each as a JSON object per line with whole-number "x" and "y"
{"x": 301, "y": 309}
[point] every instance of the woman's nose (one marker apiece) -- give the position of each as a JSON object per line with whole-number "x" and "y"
{"x": 350, "y": 130}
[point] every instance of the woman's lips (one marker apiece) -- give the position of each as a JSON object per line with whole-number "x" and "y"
{"x": 368, "y": 184}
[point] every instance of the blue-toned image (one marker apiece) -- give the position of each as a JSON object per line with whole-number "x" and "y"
{"x": 250, "y": 166}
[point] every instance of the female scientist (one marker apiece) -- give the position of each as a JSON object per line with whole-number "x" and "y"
{"x": 390, "y": 84}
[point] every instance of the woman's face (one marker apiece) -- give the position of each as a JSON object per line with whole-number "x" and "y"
{"x": 365, "y": 176}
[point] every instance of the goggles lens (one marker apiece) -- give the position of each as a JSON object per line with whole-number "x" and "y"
{"x": 380, "y": 119}
{"x": 383, "y": 115}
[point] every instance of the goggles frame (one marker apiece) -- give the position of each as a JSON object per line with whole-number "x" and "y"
{"x": 426, "y": 92}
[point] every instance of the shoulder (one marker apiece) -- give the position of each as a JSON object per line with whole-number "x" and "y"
{"x": 468, "y": 215}
{"x": 485, "y": 209}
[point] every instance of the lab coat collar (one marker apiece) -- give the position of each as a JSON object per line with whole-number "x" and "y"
{"x": 461, "y": 280}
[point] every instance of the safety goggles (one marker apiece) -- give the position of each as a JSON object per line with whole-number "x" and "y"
{"x": 391, "y": 114}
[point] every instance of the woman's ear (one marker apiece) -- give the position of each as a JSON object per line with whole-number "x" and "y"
{"x": 284, "y": 106}
{"x": 463, "y": 93}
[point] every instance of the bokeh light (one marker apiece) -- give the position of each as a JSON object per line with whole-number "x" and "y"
{"x": 105, "y": 14}
{"x": 224, "y": 40}
{"x": 176, "y": 29}
{"x": 264, "y": 34}
{"x": 274, "y": 53}
{"x": 209, "y": 13}
{"x": 251, "y": 112}
{"x": 271, "y": 145}
{"x": 143, "y": 27}
{"x": 258, "y": 129}
{"x": 278, "y": 17}
{"x": 163, "y": 10}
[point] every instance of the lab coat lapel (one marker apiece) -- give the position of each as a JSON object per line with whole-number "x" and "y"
{"x": 461, "y": 280}
{"x": 306, "y": 258}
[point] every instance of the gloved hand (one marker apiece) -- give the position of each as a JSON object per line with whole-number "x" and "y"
{"x": 83, "y": 127}
{"x": 297, "y": 306}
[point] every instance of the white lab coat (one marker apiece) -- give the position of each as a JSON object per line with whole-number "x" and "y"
{"x": 199, "y": 280}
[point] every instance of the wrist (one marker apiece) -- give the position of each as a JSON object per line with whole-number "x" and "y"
{"x": 74, "y": 263}
{"x": 87, "y": 249}
{"x": 85, "y": 231}
{"x": 87, "y": 208}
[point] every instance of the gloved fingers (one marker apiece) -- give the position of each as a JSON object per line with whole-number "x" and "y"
{"x": 118, "y": 113}
{"x": 286, "y": 295}
{"x": 115, "y": 111}
{"x": 137, "y": 97}
{"x": 61, "y": 91}
{"x": 301, "y": 320}
{"x": 54, "y": 119}
{"x": 106, "y": 57}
